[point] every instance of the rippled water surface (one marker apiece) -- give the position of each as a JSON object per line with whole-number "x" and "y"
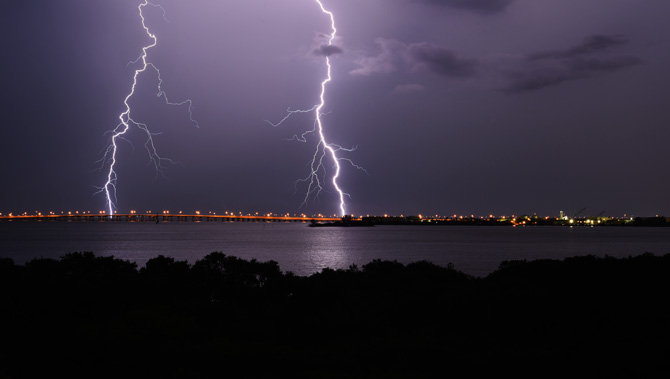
{"x": 476, "y": 250}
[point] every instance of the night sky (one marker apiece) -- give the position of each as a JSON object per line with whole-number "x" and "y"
{"x": 454, "y": 106}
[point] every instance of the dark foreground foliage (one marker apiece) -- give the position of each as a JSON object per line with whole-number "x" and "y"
{"x": 100, "y": 317}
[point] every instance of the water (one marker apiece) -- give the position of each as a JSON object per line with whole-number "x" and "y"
{"x": 476, "y": 250}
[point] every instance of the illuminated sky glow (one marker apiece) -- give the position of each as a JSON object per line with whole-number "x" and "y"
{"x": 486, "y": 107}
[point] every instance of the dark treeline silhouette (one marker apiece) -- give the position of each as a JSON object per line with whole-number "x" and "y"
{"x": 89, "y": 316}
{"x": 650, "y": 221}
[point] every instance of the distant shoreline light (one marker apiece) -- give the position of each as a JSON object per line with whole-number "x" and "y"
{"x": 521, "y": 220}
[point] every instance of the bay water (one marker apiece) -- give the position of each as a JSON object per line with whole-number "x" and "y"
{"x": 475, "y": 250}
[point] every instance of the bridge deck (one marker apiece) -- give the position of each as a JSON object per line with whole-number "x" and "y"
{"x": 164, "y": 218}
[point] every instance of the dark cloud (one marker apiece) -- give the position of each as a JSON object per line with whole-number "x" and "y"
{"x": 591, "y": 45}
{"x": 442, "y": 61}
{"x": 391, "y": 58}
{"x": 536, "y": 79}
{"x": 550, "y": 68}
{"x": 480, "y": 6}
{"x": 328, "y": 50}
{"x": 422, "y": 56}
{"x": 608, "y": 64}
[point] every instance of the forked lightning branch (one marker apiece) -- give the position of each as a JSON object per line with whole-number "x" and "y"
{"x": 126, "y": 120}
{"x": 325, "y": 151}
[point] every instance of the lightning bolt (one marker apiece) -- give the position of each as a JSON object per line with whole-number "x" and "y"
{"x": 126, "y": 121}
{"x": 324, "y": 149}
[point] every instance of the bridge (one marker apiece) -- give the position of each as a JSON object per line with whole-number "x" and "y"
{"x": 162, "y": 217}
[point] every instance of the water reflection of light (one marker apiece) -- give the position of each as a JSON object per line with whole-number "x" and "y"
{"x": 328, "y": 247}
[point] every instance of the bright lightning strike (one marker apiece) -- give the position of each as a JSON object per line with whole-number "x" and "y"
{"x": 126, "y": 121}
{"x": 324, "y": 150}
